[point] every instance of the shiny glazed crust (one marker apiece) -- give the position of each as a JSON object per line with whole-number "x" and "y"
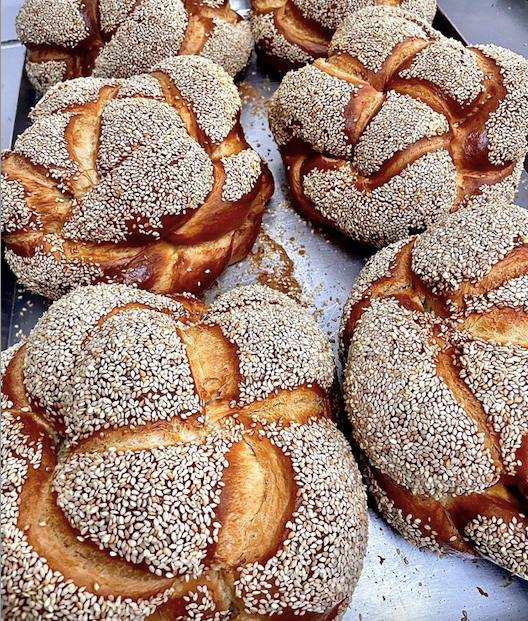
{"x": 435, "y": 338}
{"x": 292, "y": 33}
{"x": 69, "y": 39}
{"x": 146, "y": 181}
{"x": 400, "y": 126}
{"x": 163, "y": 460}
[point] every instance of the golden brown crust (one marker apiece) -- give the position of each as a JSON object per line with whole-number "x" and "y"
{"x": 292, "y": 33}
{"x": 162, "y": 460}
{"x": 119, "y": 38}
{"x": 435, "y": 341}
{"x": 399, "y": 126}
{"x": 147, "y": 181}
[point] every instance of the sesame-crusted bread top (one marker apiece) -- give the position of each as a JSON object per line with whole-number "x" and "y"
{"x": 71, "y": 95}
{"x": 278, "y": 348}
{"x": 147, "y": 180}
{"x": 465, "y": 246}
{"x": 147, "y": 456}
{"x": 450, "y": 66}
{"x": 211, "y": 92}
{"x": 508, "y": 125}
{"x": 294, "y": 34}
{"x": 435, "y": 342}
{"x": 59, "y": 334}
{"x": 153, "y": 30}
{"x": 401, "y": 121}
{"x": 120, "y": 38}
{"x": 400, "y": 126}
{"x": 456, "y": 460}
{"x": 370, "y": 35}
{"x": 324, "y": 125}
{"x": 59, "y": 22}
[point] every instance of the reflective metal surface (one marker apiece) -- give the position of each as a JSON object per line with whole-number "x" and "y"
{"x": 398, "y": 583}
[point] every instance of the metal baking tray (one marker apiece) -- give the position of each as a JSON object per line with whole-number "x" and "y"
{"x": 399, "y": 582}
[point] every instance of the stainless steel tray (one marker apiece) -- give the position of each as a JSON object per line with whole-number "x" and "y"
{"x": 399, "y": 582}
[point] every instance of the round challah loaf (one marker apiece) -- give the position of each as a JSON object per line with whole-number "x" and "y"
{"x": 400, "y": 126}
{"x": 435, "y": 338}
{"x": 120, "y": 38}
{"x": 292, "y": 33}
{"x": 163, "y": 460}
{"x": 145, "y": 181}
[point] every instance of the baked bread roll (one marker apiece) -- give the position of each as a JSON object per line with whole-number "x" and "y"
{"x": 435, "y": 338}
{"x": 292, "y": 33}
{"x": 68, "y": 39}
{"x": 146, "y": 181}
{"x": 400, "y": 126}
{"x": 163, "y": 460}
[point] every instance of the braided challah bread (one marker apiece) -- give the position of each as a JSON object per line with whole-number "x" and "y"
{"x": 163, "y": 460}
{"x": 400, "y": 126}
{"x": 435, "y": 338}
{"x": 292, "y": 33}
{"x": 120, "y": 38}
{"x": 145, "y": 181}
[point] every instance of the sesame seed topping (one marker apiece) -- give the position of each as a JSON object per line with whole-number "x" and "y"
{"x": 209, "y": 89}
{"x": 122, "y": 38}
{"x": 508, "y": 125}
{"x": 326, "y": 537}
{"x": 152, "y": 497}
{"x": 380, "y": 265}
{"x": 229, "y": 45}
{"x": 371, "y": 34}
{"x": 366, "y": 215}
{"x": 512, "y": 294}
{"x": 57, "y": 338}
{"x": 293, "y": 113}
{"x": 401, "y": 121}
{"x": 125, "y": 502}
{"x": 127, "y": 124}
{"x": 49, "y": 271}
{"x": 467, "y": 244}
{"x": 405, "y": 524}
{"x": 113, "y": 13}
{"x": 506, "y": 543}
{"x": 502, "y": 192}
{"x": 451, "y": 66}
{"x": 242, "y": 172}
{"x": 267, "y": 36}
{"x": 154, "y": 30}
{"x": 45, "y": 74}
{"x": 16, "y": 215}
{"x": 330, "y": 14}
{"x": 143, "y": 85}
{"x": 416, "y": 431}
{"x": 72, "y": 94}
{"x": 54, "y": 23}
{"x": 402, "y": 104}
{"x": 44, "y": 144}
{"x": 436, "y": 381}
{"x": 279, "y": 348}
{"x": 498, "y": 377}
{"x": 131, "y": 168}
{"x": 131, "y": 371}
